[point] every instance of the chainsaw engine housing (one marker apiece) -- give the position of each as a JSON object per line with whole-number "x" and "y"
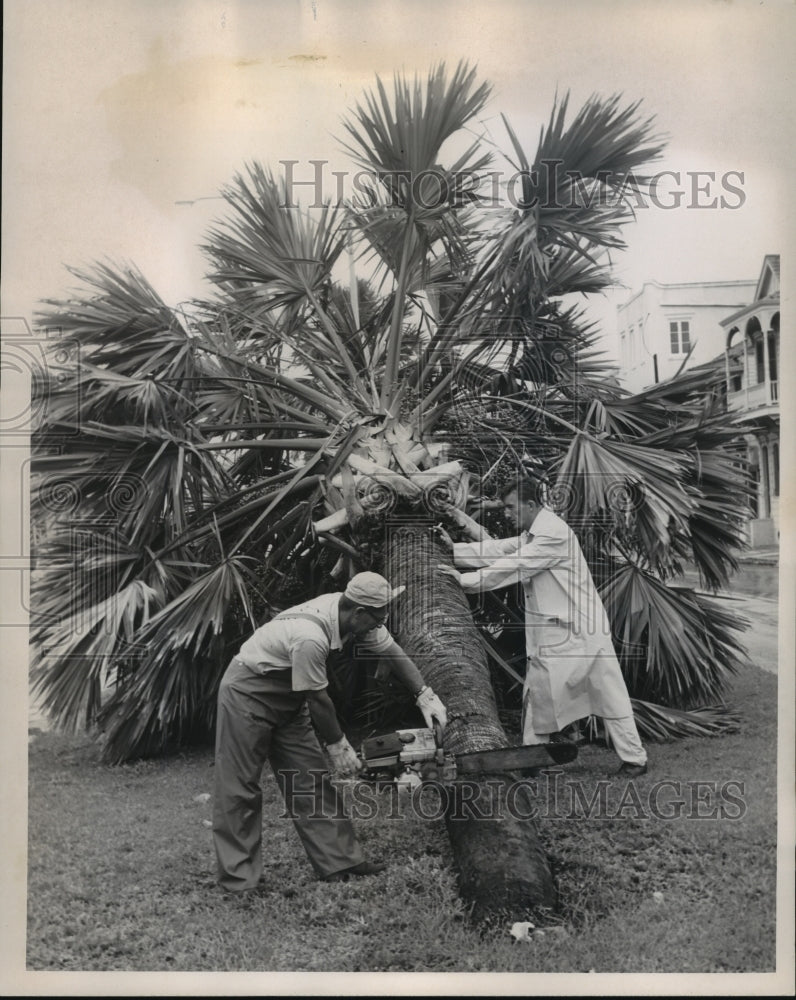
{"x": 395, "y": 751}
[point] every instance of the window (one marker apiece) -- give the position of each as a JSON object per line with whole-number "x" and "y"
{"x": 775, "y": 456}
{"x": 631, "y": 346}
{"x": 680, "y": 336}
{"x": 623, "y": 350}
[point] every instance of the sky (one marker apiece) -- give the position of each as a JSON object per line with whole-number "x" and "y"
{"x": 118, "y": 112}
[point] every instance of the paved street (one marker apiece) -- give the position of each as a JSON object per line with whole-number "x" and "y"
{"x": 761, "y": 638}
{"x": 753, "y": 596}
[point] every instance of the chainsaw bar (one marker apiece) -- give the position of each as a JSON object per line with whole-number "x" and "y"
{"x": 522, "y": 758}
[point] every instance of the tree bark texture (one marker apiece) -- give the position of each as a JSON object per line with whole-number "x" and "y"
{"x": 501, "y": 865}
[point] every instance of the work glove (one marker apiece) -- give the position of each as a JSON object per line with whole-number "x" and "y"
{"x": 345, "y": 763}
{"x": 430, "y": 705}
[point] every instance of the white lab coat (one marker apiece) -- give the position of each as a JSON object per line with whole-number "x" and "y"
{"x": 572, "y": 669}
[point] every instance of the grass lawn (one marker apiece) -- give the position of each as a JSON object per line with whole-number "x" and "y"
{"x": 121, "y": 871}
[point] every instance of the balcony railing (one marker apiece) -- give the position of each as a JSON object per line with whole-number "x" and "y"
{"x": 761, "y": 394}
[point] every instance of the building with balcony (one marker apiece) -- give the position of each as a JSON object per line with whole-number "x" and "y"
{"x": 666, "y": 328}
{"x": 752, "y": 365}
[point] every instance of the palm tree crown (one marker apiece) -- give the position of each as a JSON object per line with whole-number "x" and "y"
{"x": 243, "y": 452}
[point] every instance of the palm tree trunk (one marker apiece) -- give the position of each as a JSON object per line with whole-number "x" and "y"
{"x": 501, "y": 865}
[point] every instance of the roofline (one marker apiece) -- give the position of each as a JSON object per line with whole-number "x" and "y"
{"x": 770, "y": 300}
{"x": 701, "y": 305}
{"x": 753, "y": 282}
{"x": 767, "y": 265}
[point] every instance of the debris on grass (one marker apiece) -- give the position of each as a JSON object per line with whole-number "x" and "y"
{"x": 521, "y": 930}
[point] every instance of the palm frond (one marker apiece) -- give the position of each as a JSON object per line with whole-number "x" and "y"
{"x": 401, "y": 142}
{"x": 676, "y": 646}
{"x": 273, "y": 254}
{"x": 661, "y": 724}
{"x": 402, "y": 138}
{"x": 74, "y": 655}
{"x": 572, "y": 192}
{"x": 120, "y": 322}
{"x": 639, "y": 487}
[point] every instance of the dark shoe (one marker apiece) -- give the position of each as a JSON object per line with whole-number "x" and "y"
{"x": 363, "y": 868}
{"x": 628, "y": 770}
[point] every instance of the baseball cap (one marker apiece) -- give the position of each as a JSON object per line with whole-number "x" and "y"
{"x": 371, "y": 590}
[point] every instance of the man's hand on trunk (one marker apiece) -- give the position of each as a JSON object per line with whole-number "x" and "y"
{"x": 450, "y": 571}
{"x": 442, "y": 536}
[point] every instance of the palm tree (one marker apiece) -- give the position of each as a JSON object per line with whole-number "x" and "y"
{"x": 201, "y": 467}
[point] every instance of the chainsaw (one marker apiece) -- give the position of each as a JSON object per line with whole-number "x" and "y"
{"x": 410, "y": 756}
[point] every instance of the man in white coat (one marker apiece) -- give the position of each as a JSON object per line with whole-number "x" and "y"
{"x": 572, "y": 670}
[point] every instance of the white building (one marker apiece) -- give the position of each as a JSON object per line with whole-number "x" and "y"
{"x": 664, "y": 328}
{"x": 751, "y": 351}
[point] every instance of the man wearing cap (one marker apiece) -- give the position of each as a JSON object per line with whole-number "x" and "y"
{"x": 572, "y": 670}
{"x": 272, "y": 695}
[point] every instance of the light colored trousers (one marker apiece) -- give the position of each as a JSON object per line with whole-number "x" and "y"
{"x": 622, "y": 733}
{"x": 261, "y": 718}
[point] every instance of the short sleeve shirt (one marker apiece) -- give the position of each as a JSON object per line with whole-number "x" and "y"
{"x": 300, "y": 640}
